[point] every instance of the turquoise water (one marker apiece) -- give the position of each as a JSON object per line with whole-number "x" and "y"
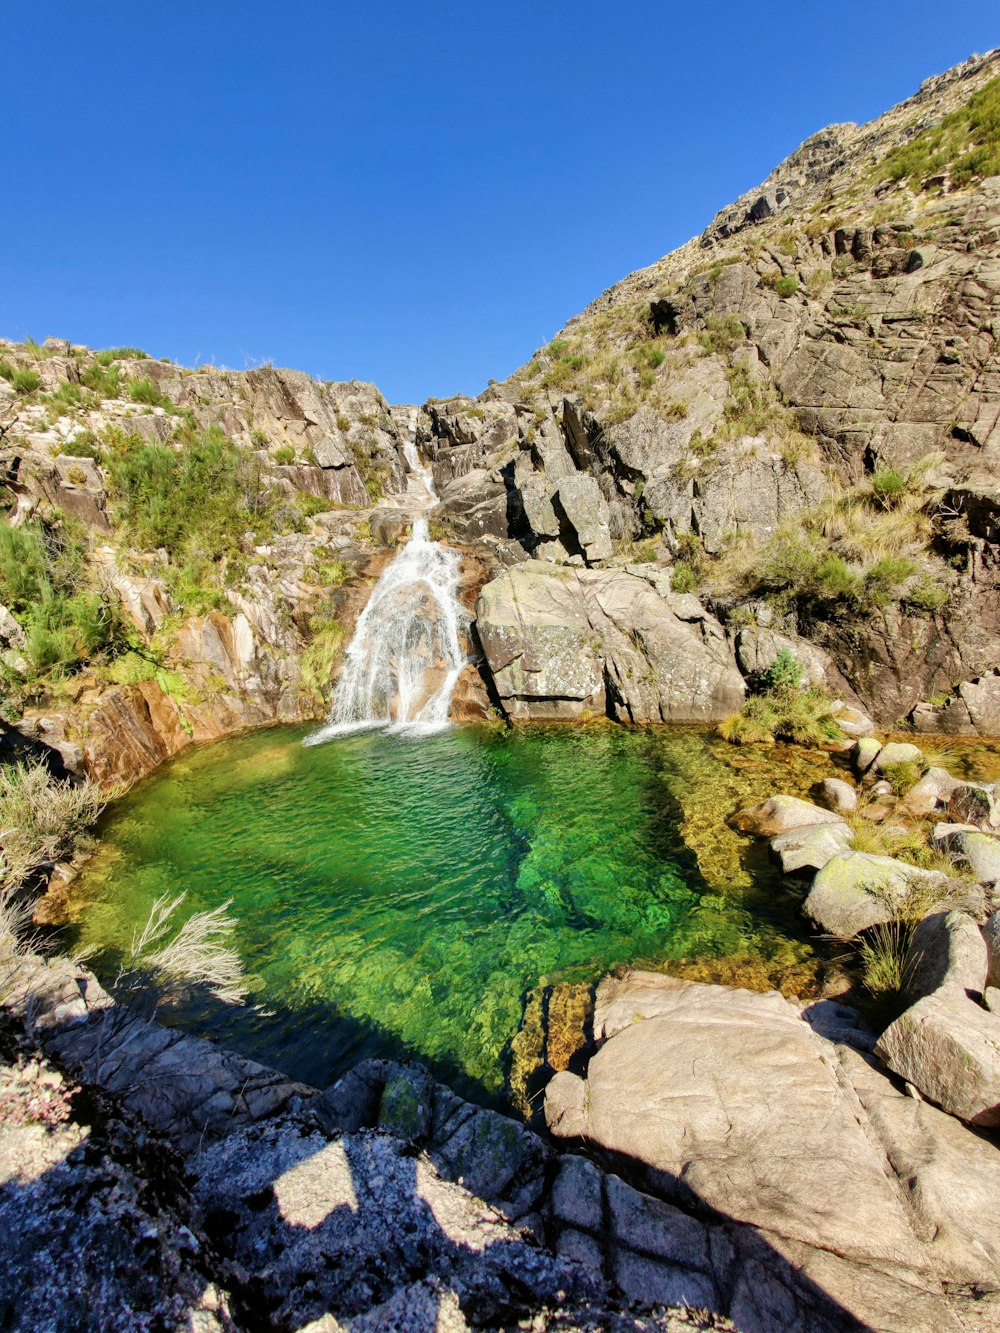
{"x": 398, "y": 894}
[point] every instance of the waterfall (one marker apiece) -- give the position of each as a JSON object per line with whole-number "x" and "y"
{"x": 402, "y": 665}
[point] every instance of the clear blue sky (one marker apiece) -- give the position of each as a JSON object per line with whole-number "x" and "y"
{"x": 415, "y": 193}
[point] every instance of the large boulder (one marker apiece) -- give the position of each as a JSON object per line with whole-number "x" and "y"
{"x": 947, "y": 951}
{"x": 811, "y": 847}
{"x": 825, "y": 1198}
{"x": 980, "y": 851}
{"x": 948, "y": 1046}
{"x": 975, "y": 803}
{"x": 839, "y": 796}
{"x": 856, "y": 890}
{"x": 567, "y": 642}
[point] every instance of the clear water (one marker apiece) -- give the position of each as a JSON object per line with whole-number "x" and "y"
{"x": 400, "y": 894}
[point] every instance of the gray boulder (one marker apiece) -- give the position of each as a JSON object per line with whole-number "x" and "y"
{"x": 980, "y": 851}
{"x": 897, "y": 752}
{"x": 932, "y": 792}
{"x": 991, "y": 934}
{"x": 810, "y": 848}
{"x": 975, "y": 803}
{"x": 566, "y": 642}
{"x": 948, "y": 1046}
{"x": 770, "y": 1161}
{"x": 947, "y": 951}
{"x": 838, "y": 796}
{"x": 865, "y": 752}
{"x": 855, "y": 890}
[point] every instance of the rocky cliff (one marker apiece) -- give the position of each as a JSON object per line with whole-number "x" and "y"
{"x": 794, "y": 417}
{"x": 784, "y": 434}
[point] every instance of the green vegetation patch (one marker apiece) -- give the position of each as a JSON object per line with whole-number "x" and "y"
{"x": 43, "y": 584}
{"x": 965, "y": 145}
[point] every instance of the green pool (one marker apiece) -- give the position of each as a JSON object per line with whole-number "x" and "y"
{"x": 404, "y": 894}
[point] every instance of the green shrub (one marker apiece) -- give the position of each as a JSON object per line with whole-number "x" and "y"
{"x": 66, "y": 397}
{"x": 684, "y": 578}
{"x": 722, "y": 334}
{"x": 84, "y": 444}
{"x": 194, "y": 500}
{"x": 787, "y": 285}
{"x": 6, "y": 370}
{"x": 284, "y": 455}
{"x": 967, "y": 141}
{"x": 25, "y": 381}
{"x": 888, "y": 487}
{"x": 42, "y": 582}
{"x": 103, "y": 380}
{"x": 649, "y": 355}
{"x": 110, "y": 354}
{"x": 784, "y": 673}
{"x": 926, "y": 595}
{"x": 902, "y": 776}
{"x": 145, "y": 391}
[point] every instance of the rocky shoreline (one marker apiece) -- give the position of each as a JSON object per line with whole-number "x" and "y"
{"x": 727, "y": 1151}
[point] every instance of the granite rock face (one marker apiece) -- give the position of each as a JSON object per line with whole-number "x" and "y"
{"x": 563, "y": 642}
{"x": 777, "y": 1168}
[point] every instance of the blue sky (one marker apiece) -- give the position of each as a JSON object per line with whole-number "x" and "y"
{"x": 414, "y": 193}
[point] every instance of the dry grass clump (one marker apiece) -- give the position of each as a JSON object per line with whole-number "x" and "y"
{"x": 779, "y": 708}
{"x": 40, "y": 819}
{"x": 863, "y": 549}
{"x": 166, "y": 963}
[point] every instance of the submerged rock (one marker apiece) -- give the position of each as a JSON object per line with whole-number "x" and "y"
{"x": 780, "y": 814}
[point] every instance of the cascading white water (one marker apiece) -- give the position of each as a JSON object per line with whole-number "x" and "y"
{"x": 405, "y": 658}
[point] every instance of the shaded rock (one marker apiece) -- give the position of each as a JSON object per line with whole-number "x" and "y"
{"x": 991, "y": 934}
{"x": 496, "y": 1157}
{"x": 811, "y": 847}
{"x": 980, "y": 851}
{"x": 576, "y": 1197}
{"x": 779, "y": 814}
{"x": 856, "y": 890}
{"x": 837, "y": 795}
{"x": 974, "y": 803}
{"x": 346, "y": 1224}
{"x": 757, "y": 647}
{"x": 578, "y": 498}
{"x": 947, "y": 951}
{"x": 87, "y": 1243}
{"x": 949, "y": 1047}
